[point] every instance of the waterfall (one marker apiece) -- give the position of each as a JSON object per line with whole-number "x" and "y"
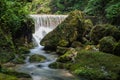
{"x": 45, "y": 24}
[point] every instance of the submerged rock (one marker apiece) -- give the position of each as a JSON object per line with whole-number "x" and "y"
{"x": 66, "y": 32}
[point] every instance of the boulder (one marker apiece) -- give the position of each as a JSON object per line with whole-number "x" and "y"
{"x": 37, "y": 58}
{"x": 107, "y": 44}
{"x": 76, "y": 44}
{"x": 65, "y": 33}
{"x": 61, "y": 50}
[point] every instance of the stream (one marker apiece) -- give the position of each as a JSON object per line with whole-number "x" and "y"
{"x": 40, "y": 71}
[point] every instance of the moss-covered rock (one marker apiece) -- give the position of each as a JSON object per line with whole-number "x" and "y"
{"x": 66, "y": 32}
{"x": 76, "y": 44}
{"x": 116, "y": 49}
{"x": 107, "y": 44}
{"x": 23, "y": 50}
{"x": 91, "y": 47}
{"x": 37, "y": 58}
{"x": 100, "y": 31}
{"x": 11, "y": 74}
{"x": 93, "y": 65}
{"x": 61, "y": 50}
{"x": 69, "y": 56}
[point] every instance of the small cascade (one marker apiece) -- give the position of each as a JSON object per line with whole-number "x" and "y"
{"x": 45, "y": 24}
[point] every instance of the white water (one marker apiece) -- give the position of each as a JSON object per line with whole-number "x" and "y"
{"x": 41, "y": 71}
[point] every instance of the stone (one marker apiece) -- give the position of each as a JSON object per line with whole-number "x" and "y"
{"x": 37, "y": 58}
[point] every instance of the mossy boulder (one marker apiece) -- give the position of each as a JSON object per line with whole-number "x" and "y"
{"x": 102, "y": 30}
{"x": 107, "y": 44}
{"x": 69, "y": 56}
{"x": 37, "y": 58}
{"x": 116, "y": 49}
{"x": 66, "y": 32}
{"x": 76, "y": 44}
{"x": 23, "y": 50}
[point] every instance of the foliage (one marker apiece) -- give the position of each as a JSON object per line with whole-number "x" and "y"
{"x": 106, "y": 9}
{"x": 39, "y": 6}
{"x": 60, "y": 6}
{"x": 13, "y": 13}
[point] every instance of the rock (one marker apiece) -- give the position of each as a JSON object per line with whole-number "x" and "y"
{"x": 61, "y": 50}
{"x": 37, "y": 58}
{"x": 107, "y": 44}
{"x": 69, "y": 56}
{"x": 116, "y": 49}
{"x": 91, "y": 47}
{"x": 76, "y": 44}
{"x": 66, "y": 32}
{"x": 23, "y": 50}
{"x": 100, "y": 31}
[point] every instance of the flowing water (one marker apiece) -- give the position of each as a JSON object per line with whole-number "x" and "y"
{"x": 41, "y": 71}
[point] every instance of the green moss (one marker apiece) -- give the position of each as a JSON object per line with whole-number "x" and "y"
{"x": 23, "y": 50}
{"x": 7, "y": 77}
{"x": 61, "y": 50}
{"x": 37, "y": 58}
{"x": 107, "y": 44}
{"x": 116, "y": 49}
{"x": 76, "y": 44}
{"x": 63, "y": 43}
{"x": 100, "y": 31}
{"x": 6, "y": 56}
{"x": 93, "y": 65}
{"x": 10, "y": 74}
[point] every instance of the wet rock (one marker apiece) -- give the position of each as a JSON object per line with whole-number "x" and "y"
{"x": 37, "y": 58}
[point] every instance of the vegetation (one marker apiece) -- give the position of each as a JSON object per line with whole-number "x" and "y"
{"x": 77, "y": 40}
{"x": 16, "y": 29}
{"x": 90, "y": 64}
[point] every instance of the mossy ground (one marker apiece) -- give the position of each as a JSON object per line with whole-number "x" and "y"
{"x": 92, "y": 65}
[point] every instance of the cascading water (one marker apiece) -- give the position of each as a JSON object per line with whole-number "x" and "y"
{"x": 41, "y": 71}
